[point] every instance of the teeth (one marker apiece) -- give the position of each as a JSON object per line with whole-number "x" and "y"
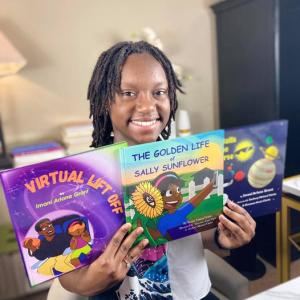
{"x": 143, "y": 123}
{"x": 172, "y": 202}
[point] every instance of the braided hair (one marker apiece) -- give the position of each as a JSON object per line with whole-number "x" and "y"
{"x": 106, "y": 81}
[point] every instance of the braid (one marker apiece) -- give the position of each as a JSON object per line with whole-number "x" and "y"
{"x": 106, "y": 80}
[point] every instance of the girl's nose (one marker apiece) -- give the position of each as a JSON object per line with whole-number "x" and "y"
{"x": 145, "y": 103}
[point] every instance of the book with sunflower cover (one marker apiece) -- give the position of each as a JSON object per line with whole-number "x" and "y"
{"x": 254, "y": 166}
{"x": 174, "y": 188}
{"x": 65, "y": 211}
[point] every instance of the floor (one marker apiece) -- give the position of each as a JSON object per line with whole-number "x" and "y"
{"x": 269, "y": 280}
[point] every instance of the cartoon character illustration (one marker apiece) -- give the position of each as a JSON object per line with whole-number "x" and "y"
{"x": 244, "y": 150}
{"x": 79, "y": 242}
{"x": 162, "y": 206}
{"x": 52, "y": 246}
{"x": 49, "y": 248}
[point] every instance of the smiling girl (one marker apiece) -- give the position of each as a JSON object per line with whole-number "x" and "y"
{"x": 132, "y": 96}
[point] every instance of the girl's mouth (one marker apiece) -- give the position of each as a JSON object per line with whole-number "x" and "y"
{"x": 144, "y": 123}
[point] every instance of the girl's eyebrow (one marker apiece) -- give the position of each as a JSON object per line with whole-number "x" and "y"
{"x": 129, "y": 84}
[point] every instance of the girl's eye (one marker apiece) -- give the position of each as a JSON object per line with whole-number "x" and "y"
{"x": 168, "y": 193}
{"x": 160, "y": 92}
{"x": 128, "y": 94}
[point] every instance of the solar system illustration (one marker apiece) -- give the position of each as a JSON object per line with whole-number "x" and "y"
{"x": 254, "y": 158}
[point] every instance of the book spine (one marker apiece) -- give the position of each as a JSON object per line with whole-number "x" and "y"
{"x": 35, "y": 148}
{"x": 123, "y": 180}
{"x": 37, "y": 152}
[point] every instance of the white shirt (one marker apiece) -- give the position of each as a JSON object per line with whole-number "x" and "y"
{"x": 188, "y": 271}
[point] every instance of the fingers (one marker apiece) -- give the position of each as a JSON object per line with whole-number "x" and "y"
{"x": 135, "y": 252}
{"x": 240, "y": 210}
{"x": 126, "y": 245}
{"x": 240, "y": 216}
{"x": 238, "y": 222}
{"x": 223, "y": 229}
{"x": 117, "y": 239}
{"x": 119, "y": 246}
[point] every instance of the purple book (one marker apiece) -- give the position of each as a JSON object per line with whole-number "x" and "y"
{"x": 65, "y": 211}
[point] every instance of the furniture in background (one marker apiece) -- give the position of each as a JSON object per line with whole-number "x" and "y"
{"x": 287, "y": 290}
{"x": 284, "y": 237}
{"x": 13, "y": 280}
{"x": 258, "y": 45}
{"x": 227, "y": 283}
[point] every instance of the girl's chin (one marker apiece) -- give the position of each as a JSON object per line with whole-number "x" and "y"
{"x": 146, "y": 139}
{"x": 145, "y": 136}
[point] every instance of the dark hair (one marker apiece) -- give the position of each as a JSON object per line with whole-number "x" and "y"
{"x": 163, "y": 181}
{"x": 106, "y": 81}
{"x": 38, "y": 224}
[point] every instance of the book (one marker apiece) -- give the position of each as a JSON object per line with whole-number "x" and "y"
{"x": 254, "y": 166}
{"x": 65, "y": 211}
{"x": 77, "y": 129}
{"x": 174, "y": 188}
{"x": 76, "y": 136}
{"x": 30, "y": 154}
{"x": 31, "y": 149}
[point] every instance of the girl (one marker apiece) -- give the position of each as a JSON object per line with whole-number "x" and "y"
{"x": 132, "y": 96}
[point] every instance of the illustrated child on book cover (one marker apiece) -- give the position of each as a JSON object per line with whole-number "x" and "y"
{"x": 61, "y": 244}
{"x": 65, "y": 211}
{"x": 168, "y": 201}
{"x": 174, "y": 188}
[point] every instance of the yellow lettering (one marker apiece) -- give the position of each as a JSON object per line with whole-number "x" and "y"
{"x": 44, "y": 181}
{"x": 72, "y": 176}
{"x": 31, "y": 186}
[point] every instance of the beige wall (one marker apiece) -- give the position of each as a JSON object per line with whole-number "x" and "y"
{"x": 61, "y": 39}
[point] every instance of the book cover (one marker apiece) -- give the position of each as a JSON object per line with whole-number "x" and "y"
{"x": 65, "y": 211}
{"x": 174, "y": 188}
{"x": 254, "y": 166}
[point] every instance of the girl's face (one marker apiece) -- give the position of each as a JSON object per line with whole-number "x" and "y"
{"x": 141, "y": 108}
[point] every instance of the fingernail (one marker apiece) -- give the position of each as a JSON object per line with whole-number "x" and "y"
{"x": 127, "y": 226}
{"x": 146, "y": 242}
{"x": 221, "y": 217}
{"x": 139, "y": 230}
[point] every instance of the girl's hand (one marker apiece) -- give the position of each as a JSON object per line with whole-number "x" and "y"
{"x": 236, "y": 226}
{"x": 110, "y": 267}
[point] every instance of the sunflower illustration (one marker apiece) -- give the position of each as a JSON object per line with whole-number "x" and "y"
{"x": 148, "y": 200}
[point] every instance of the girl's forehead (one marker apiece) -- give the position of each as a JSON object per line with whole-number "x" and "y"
{"x": 143, "y": 67}
{"x": 141, "y": 60}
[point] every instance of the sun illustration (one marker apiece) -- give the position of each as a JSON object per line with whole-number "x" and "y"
{"x": 148, "y": 200}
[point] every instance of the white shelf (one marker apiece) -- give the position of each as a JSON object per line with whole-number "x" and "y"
{"x": 292, "y": 185}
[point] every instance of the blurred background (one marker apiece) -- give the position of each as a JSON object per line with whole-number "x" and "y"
{"x": 61, "y": 41}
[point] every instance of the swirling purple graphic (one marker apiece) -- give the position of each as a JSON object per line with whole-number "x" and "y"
{"x": 45, "y": 197}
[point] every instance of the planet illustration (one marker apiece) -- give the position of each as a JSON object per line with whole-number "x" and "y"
{"x": 239, "y": 175}
{"x": 261, "y": 173}
{"x": 244, "y": 150}
{"x": 271, "y": 152}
